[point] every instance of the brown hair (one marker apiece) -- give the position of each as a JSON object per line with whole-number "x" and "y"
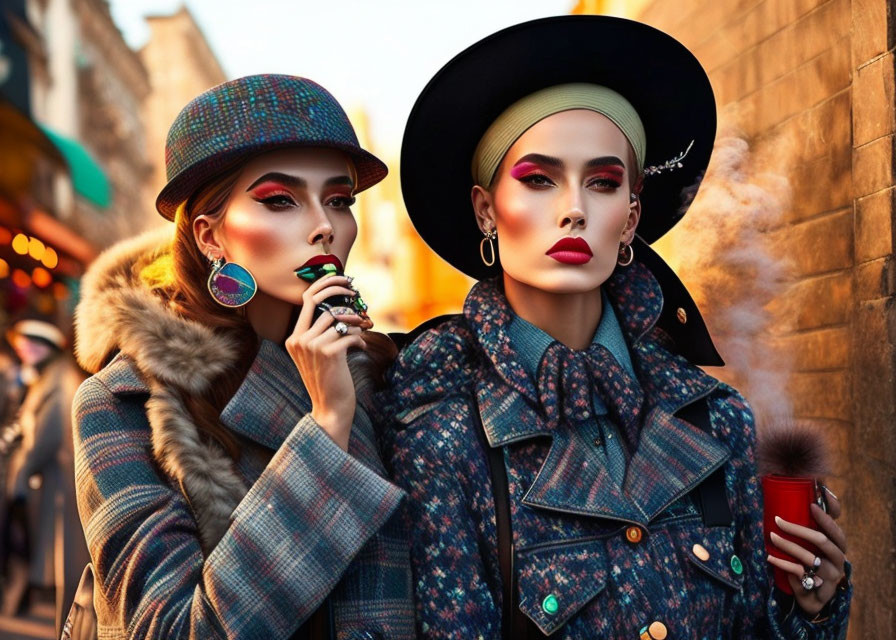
{"x": 181, "y": 278}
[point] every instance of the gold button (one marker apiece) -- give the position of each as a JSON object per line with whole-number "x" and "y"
{"x": 657, "y": 630}
{"x": 701, "y": 552}
{"x": 633, "y": 534}
{"x": 682, "y": 315}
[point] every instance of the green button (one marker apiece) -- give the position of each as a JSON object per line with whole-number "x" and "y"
{"x": 550, "y": 604}
{"x": 736, "y": 565}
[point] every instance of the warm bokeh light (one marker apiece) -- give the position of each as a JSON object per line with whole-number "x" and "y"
{"x": 20, "y": 244}
{"x": 5, "y": 235}
{"x": 21, "y": 279}
{"x": 45, "y": 304}
{"x": 4, "y": 268}
{"x": 36, "y": 248}
{"x": 50, "y": 258}
{"x": 41, "y": 277}
{"x": 60, "y": 291}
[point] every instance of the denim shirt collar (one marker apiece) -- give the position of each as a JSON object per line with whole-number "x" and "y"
{"x": 532, "y": 342}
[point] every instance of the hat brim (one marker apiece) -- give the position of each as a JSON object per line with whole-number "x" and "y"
{"x": 658, "y": 75}
{"x": 370, "y": 170}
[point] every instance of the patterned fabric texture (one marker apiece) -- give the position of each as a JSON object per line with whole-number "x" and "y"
{"x": 572, "y": 525}
{"x": 253, "y": 114}
{"x": 310, "y": 520}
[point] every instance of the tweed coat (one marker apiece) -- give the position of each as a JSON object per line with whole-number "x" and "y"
{"x": 582, "y": 571}
{"x": 187, "y": 544}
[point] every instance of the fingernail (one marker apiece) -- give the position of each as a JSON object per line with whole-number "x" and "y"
{"x": 774, "y": 535}
{"x": 778, "y": 520}
{"x": 818, "y": 581}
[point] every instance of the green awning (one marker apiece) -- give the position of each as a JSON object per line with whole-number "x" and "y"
{"x": 88, "y": 178}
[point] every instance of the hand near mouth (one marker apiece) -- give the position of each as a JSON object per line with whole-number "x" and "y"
{"x": 319, "y": 266}
{"x": 318, "y": 347}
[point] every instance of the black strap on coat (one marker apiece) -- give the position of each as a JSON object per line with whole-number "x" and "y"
{"x": 320, "y": 626}
{"x": 515, "y": 625}
{"x": 710, "y": 496}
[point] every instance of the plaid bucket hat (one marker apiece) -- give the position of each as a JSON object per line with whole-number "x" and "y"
{"x": 251, "y": 115}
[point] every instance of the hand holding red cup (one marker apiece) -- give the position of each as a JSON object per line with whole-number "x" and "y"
{"x": 805, "y": 545}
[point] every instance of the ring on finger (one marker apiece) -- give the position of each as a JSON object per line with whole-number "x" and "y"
{"x": 808, "y": 581}
{"x": 341, "y": 328}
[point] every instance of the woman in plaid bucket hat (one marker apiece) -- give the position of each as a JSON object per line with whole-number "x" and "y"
{"x": 229, "y": 480}
{"x": 571, "y": 471}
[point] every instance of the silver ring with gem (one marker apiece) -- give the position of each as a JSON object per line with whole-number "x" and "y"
{"x": 808, "y": 581}
{"x": 341, "y": 328}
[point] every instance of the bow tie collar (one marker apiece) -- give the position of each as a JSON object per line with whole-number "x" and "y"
{"x": 567, "y": 379}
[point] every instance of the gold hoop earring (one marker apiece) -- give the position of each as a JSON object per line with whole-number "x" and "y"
{"x": 490, "y": 236}
{"x": 626, "y": 255}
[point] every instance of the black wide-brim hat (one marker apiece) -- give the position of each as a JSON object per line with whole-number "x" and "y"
{"x": 662, "y": 80}
{"x": 251, "y": 115}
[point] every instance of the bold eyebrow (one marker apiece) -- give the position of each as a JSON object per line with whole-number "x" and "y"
{"x": 538, "y": 158}
{"x": 604, "y": 161}
{"x": 551, "y": 161}
{"x": 299, "y": 183}
{"x": 288, "y": 180}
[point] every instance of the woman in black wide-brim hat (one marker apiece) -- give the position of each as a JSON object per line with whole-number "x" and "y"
{"x": 229, "y": 480}
{"x": 572, "y": 471}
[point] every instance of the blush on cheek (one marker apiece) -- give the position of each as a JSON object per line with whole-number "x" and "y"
{"x": 252, "y": 234}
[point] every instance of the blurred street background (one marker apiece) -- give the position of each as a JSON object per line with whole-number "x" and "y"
{"x": 788, "y": 248}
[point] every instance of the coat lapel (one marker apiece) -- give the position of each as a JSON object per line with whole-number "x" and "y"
{"x": 672, "y": 456}
{"x": 271, "y": 399}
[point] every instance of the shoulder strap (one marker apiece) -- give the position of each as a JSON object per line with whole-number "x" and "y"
{"x": 711, "y": 494}
{"x": 321, "y": 624}
{"x": 514, "y": 623}
{"x": 403, "y": 339}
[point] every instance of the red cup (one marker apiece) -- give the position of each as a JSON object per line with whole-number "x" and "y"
{"x": 788, "y": 498}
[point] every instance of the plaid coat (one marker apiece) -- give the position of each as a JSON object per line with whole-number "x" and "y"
{"x": 592, "y": 560}
{"x": 187, "y": 544}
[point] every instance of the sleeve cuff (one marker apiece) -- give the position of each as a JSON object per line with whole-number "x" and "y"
{"x": 300, "y": 525}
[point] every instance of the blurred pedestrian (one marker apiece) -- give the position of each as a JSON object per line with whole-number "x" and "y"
{"x": 43, "y": 532}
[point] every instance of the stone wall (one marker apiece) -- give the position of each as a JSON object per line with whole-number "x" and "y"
{"x": 814, "y": 81}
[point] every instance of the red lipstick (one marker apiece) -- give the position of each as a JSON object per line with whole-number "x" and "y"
{"x": 570, "y": 251}
{"x": 326, "y": 258}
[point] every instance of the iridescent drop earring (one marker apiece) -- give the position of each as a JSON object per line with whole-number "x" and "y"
{"x": 230, "y": 284}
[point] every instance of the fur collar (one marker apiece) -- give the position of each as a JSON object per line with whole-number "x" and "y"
{"x": 175, "y": 356}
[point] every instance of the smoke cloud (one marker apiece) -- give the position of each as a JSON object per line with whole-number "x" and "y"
{"x": 723, "y": 251}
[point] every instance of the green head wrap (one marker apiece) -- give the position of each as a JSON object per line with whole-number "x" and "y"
{"x": 524, "y": 113}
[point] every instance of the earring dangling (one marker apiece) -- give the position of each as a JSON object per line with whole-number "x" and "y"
{"x": 230, "y": 284}
{"x": 490, "y": 236}
{"x": 626, "y": 255}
